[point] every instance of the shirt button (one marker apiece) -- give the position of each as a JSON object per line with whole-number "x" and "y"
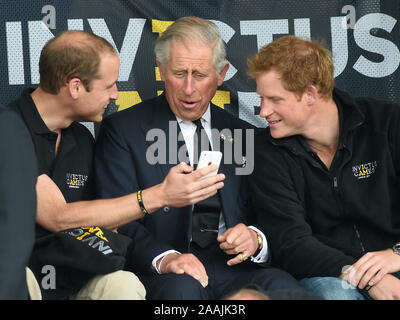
{"x": 166, "y": 209}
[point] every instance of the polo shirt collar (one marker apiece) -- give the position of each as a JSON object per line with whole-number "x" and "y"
{"x": 31, "y": 114}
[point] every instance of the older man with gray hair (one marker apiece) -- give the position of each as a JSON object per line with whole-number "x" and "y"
{"x": 206, "y": 250}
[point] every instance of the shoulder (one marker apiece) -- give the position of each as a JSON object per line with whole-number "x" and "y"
{"x": 372, "y": 105}
{"x": 7, "y": 113}
{"x": 267, "y": 149}
{"x": 82, "y": 133}
{"x": 376, "y": 113}
{"x": 138, "y": 112}
{"x": 10, "y": 120}
{"x": 234, "y": 121}
{"x": 262, "y": 138}
{"x": 379, "y": 116}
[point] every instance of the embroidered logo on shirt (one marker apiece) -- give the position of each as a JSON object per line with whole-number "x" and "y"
{"x": 75, "y": 180}
{"x": 365, "y": 170}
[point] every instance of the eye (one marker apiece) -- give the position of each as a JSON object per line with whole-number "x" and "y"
{"x": 111, "y": 85}
{"x": 179, "y": 74}
{"x": 199, "y": 75}
{"x": 275, "y": 100}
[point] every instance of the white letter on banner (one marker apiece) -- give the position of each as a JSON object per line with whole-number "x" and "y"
{"x": 39, "y": 34}
{"x": 264, "y": 29}
{"x": 340, "y": 49}
{"x": 15, "y": 53}
{"x": 365, "y": 40}
{"x": 227, "y": 33}
{"x": 247, "y": 102}
{"x": 129, "y": 47}
{"x": 302, "y": 28}
{"x": 75, "y": 24}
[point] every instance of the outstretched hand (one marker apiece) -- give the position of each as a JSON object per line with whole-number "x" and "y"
{"x": 182, "y": 186}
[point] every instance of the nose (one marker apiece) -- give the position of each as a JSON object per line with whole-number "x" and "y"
{"x": 265, "y": 109}
{"x": 114, "y": 92}
{"x": 189, "y": 85}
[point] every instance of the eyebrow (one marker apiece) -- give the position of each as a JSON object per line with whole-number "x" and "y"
{"x": 111, "y": 85}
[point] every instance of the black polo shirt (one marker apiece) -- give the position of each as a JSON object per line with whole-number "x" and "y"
{"x": 71, "y": 169}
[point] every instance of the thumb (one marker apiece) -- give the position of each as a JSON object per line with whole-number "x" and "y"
{"x": 184, "y": 168}
{"x": 221, "y": 238}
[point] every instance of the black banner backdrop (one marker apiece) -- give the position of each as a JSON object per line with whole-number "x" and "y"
{"x": 364, "y": 36}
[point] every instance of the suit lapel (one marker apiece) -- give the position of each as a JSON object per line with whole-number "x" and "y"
{"x": 167, "y": 140}
{"x": 222, "y": 137}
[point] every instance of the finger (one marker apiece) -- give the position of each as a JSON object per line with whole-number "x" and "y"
{"x": 367, "y": 276}
{"x": 222, "y": 237}
{"x": 198, "y": 196}
{"x": 237, "y": 236}
{"x": 241, "y": 257}
{"x": 378, "y": 277}
{"x": 361, "y": 272}
{"x": 362, "y": 261}
{"x": 369, "y": 265}
{"x": 206, "y": 190}
{"x": 199, "y": 173}
{"x": 238, "y": 245}
{"x": 231, "y": 237}
{"x": 198, "y": 272}
{"x": 177, "y": 268}
{"x": 192, "y": 266}
{"x": 209, "y": 181}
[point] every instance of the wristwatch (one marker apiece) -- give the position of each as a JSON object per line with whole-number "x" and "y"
{"x": 396, "y": 248}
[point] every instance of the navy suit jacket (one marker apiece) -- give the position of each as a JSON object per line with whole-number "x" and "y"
{"x": 121, "y": 168}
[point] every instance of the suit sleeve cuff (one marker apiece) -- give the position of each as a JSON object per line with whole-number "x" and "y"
{"x": 161, "y": 256}
{"x": 263, "y": 256}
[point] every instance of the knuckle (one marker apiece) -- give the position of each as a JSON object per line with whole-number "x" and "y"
{"x": 236, "y": 250}
{"x": 188, "y": 189}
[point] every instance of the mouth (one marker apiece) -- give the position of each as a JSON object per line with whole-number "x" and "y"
{"x": 189, "y": 104}
{"x": 273, "y": 122}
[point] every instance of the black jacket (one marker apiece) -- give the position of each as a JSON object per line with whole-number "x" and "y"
{"x": 122, "y": 167}
{"x": 18, "y": 172}
{"x": 319, "y": 220}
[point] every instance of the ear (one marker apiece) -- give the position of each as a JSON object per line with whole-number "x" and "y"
{"x": 311, "y": 94}
{"x": 222, "y": 74}
{"x": 75, "y": 87}
{"x": 160, "y": 69}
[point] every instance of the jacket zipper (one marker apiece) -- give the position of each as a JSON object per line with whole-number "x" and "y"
{"x": 359, "y": 239}
{"x": 335, "y": 187}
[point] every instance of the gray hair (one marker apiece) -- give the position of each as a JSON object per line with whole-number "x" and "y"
{"x": 192, "y": 28}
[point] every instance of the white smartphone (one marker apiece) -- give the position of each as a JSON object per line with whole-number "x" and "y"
{"x": 208, "y": 158}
